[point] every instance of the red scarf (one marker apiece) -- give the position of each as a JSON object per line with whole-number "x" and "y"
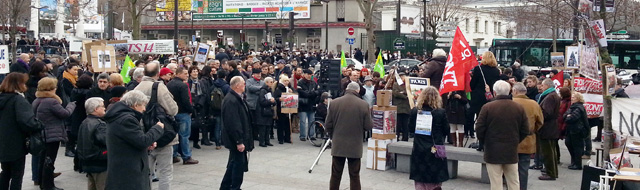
{"x": 189, "y": 87}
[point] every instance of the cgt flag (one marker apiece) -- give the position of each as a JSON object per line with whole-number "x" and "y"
{"x": 456, "y": 71}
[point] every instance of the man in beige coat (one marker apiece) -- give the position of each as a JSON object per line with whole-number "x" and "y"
{"x": 528, "y": 145}
{"x": 347, "y": 119}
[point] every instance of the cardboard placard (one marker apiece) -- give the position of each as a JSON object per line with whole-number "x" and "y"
{"x": 290, "y": 104}
{"x": 557, "y": 60}
{"x": 202, "y": 53}
{"x": 414, "y": 86}
{"x": 383, "y": 97}
{"x": 103, "y": 58}
{"x": 86, "y": 47}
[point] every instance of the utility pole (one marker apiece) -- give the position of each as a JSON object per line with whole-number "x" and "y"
{"x": 398, "y": 18}
{"x": 292, "y": 31}
{"x": 175, "y": 26}
{"x": 424, "y": 27}
{"x": 326, "y": 26}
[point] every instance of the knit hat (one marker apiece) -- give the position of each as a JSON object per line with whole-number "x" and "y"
{"x": 118, "y": 91}
{"x": 165, "y": 71}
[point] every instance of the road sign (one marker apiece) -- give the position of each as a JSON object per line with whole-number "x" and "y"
{"x": 446, "y": 28}
{"x": 448, "y": 40}
{"x": 446, "y": 34}
{"x": 220, "y": 33}
{"x": 351, "y": 41}
{"x": 351, "y": 31}
{"x": 443, "y": 44}
{"x": 398, "y": 43}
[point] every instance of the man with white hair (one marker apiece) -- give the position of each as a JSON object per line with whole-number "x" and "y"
{"x": 517, "y": 71}
{"x": 500, "y": 135}
{"x": 347, "y": 120}
{"x": 137, "y": 78}
{"x": 435, "y": 68}
{"x": 236, "y": 134}
{"x": 528, "y": 145}
{"x": 549, "y": 133}
{"x": 92, "y": 144}
{"x": 222, "y": 55}
{"x": 22, "y": 65}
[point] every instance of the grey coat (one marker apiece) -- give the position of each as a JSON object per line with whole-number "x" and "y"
{"x": 253, "y": 91}
{"x": 347, "y": 119}
{"x": 51, "y": 113}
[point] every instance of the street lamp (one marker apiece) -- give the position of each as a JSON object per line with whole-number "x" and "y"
{"x": 424, "y": 27}
{"x": 38, "y": 8}
{"x": 193, "y": 42}
{"x": 326, "y": 26}
{"x": 242, "y": 15}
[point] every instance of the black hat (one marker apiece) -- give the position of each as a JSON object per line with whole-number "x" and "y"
{"x": 256, "y": 71}
{"x": 118, "y": 91}
{"x": 307, "y": 71}
{"x": 555, "y": 72}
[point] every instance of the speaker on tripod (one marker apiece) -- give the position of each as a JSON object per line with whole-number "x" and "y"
{"x": 329, "y": 80}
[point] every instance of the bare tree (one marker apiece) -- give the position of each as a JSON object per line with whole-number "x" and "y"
{"x": 440, "y": 11}
{"x": 368, "y": 7}
{"x": 137, "y": 10}
{"x": 17, "y": 10}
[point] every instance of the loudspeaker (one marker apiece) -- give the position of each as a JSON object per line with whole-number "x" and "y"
{"x": 329, "y": 80}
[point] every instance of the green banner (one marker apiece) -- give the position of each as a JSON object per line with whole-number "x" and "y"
{"x": 232, "y": 16}
{"x": 215, "y": 6}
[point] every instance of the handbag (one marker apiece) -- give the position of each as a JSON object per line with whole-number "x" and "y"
{"x": 438, "y": 150}
{"x": 488, "y": 95}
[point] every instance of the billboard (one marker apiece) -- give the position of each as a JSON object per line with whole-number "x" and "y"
{"x": 410, "y": 19}
{"x": 50, "y": 12}
{"x": 167, "y": 5}
{"x": 237, "y": 9}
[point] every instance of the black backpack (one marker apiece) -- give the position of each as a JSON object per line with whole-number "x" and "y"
{"x": 155, "y": 113}
{"x": 216, "y": 99}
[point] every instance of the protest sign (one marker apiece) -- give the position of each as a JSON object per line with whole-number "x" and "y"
{"x": 4, "y": 59}
{"x": 290, "y": 103}
{"x": 591, "y": 90}
{"x": 589, "y": 62}
{"x": 201, "y": 54}
{"x": 415, "y": 86}
{"x": 424, "y": 123}
{"x": 572, "y": 56}
{"x": 103, "y": 58}
{"x": 625, "y": 116}
{"x": 150, "y": 47}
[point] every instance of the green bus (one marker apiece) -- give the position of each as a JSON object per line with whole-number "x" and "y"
{"x": 537, "y": 52}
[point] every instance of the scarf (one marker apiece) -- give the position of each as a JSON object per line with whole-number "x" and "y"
{"x": 547, "y": 91}
{"x": 70, "y": 77}
{"x": 48, "y": 94}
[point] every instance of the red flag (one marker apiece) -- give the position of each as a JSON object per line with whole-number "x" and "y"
{"x": 456, "y": 71}
{"x": 558, "y": 79}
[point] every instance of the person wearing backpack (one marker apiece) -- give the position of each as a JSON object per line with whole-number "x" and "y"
{"x": 219, "y": 89}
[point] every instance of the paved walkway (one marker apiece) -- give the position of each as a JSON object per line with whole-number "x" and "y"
{"x": 286, "y": 167}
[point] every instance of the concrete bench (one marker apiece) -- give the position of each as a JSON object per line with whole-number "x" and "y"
{"x": 402, "y": 150}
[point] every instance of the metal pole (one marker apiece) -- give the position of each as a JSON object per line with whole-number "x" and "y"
{"x": 242, "y": 35}
{"x": 175, "y": 26}
{"x": 424, "y": 27}
{"x": 397, "y": 18}
{"x": 326, "y": 28}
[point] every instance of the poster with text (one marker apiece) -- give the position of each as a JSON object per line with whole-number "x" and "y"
{"x": 572, "y": 56}
{"x": 4, "y": 59}
{"x": 611, "y": 79}
{"x": 424, "y": 123}
{"x": 290, "y": 103}
{"x": 416, "y": 85}
{"x": 201, "y": 54}
{"x": 589, "y": 62}
{"x": 150, "y": 46}
{"x": 591, "y": 90}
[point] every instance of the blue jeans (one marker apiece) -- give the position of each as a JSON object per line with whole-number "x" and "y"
{"x": 218, "y": 130}
{"x": 523, "y": 169}
{"x": 306, "y": 122}
{"x": 184, "y": 121}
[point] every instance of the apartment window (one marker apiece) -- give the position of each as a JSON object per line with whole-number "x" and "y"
{"x": 466, "y": 25}
{"x": 486, "y": 27}
{"x": 477, "y": 26}
{"x": 340, "y": 10}
{"x": 499, "y": 28}
{"x": 495, "y": 27}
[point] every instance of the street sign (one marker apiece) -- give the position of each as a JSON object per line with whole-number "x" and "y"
{"x": 444, "y": 39}
{"x": 220, "y": 33}
{"x": 446, "y": 34}
{"x": 351, "y": 41}
{"x": 398, "y": 43}
{"x": 447, "y": 28}
{"x": 443, "y": 44}
{"x": 351, "y": 31}
{"x": 278, "y": 38}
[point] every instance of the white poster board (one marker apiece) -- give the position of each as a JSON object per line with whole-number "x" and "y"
{"x": 625, "y": 116}
{"x": 150, "y": 47}
{"x": 201, "y": 54}
{"x": 599, "y": 31}
{"x": 572, "y": 56}
{"x": 424, "y": 123}
{"x": 4, "y": 59}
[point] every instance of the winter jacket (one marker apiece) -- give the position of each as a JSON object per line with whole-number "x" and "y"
{"x": 97, "y": 92}
{"x": 32, "y": 87}
{"x": 399, "y": 98}
{"x": 564, "y": 106}
{"x": 576, "y": 120}
{"x": 127, "y": 147}
{"x": 20, "y": 67}
{"x": 534, "y": 116}
{"x": 165, "y": 99}
{"x": 307, "y": 89}
{"x": 180, "y": 92}
{"x": 236, "y": 122}
{"x": 232, "y": 74}
{"x": 424, "y": 166}
{"x": 79, "y": 96}
{"x": 221, "y": 83}
{"x": 132, "y": 85}
{"x": 252, "y": 91}
{"x": 264, "y": 107}
{"x": 347, "y": 119}
{"x": 434, "y": 71}
{"x": 92, "y": 145}
{"x": 491, "y": 75}
{"x": 456, "y": 108}
{"x": 50, "y": 111}
{"x": 501, "y": 133}
{"x": 550, "y": 105}
{"x": 18, "y": 122}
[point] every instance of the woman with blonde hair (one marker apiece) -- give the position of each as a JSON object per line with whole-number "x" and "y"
{"x": 427, "y": 170}
{"x": 576, "y": 129}
{"x": 282, "y": 120}
{"x": 482, "y": 80}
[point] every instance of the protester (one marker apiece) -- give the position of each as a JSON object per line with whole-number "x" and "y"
{"x": 517, "y": 71}
{"x": 18, "y": 123}
{"x": 348, "y": 117}
{"x": 233, "y": 71}
{"x": 180, "y": 91}
{"x": 254, "y": 84}
{"x": 500, "y": 135}
{"x": 307, "y": 94}
{"x": 69, "y": 79}
{"x": 550, "y": 103}
{"x": 576, "y": 130}
{"x": 282, "y": 121}
{"x": 92, "y": 144}
{"x": 48, "y": 108}
{"x": 22, "y": 65}
{"x": 103, "y": 91}
{"x": 202, "y": 104}
{"x": 128, "y": 144}
{"x": 135, "y": 79}
{"x": 195, "y": 94}
{"x": 115, "y": 79}
{"x": 116, "y": 94}
{"x": 435, "y": 68}
{"x": 221, "y": 84}
{"x": 236, "y": 134}
{"x": 264, "y": 119}
{"x": 166, "y": 74}
{"x": 456, "y": 115}
{"x": 427, "y": 170}
{"x": 400, "y": 100}
{"x": 79, "y": 95}
{"x": 532, "y": 87}
{"x": 482, "y": 81}
{"x": 565, "y": 103}
{"x": 528, "y": 145}
{"x": 369, "y": 95}
{"x": 37, "y": 72}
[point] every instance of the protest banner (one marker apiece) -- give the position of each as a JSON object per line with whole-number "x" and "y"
{"x": 150, "y": 47}
{"x": 290, "y": 103}
{"x": 202, "y": 53}
{"x": 599, "y": 32}
{"x": 4, "y": 59}
{"x": 589, "y": 62}
{"x": 625, "y": 116}
{"x": 591, "y": 90}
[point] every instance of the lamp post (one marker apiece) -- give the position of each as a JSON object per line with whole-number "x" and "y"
{"x": 242, "y": 15}
{"x": 424, "y": 27}
{"x": 326, "y": 26}
{"x": 38, "y": 8}
{"x": 193, "y": 42}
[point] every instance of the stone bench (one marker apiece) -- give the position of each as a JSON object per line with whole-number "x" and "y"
{"x": 402, "y": 150}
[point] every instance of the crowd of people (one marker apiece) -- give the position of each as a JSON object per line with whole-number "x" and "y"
{"x": 235, "y": 99}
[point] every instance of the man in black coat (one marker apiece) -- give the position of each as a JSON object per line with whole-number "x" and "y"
{"x": 180, "y": 91}
{"x": 358, "y": 55}
{"x": 92, "y": 144}
{"x": 308, "y": 93}
{"x": 22, "y": 65}
{"x": 236, "y": 134}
